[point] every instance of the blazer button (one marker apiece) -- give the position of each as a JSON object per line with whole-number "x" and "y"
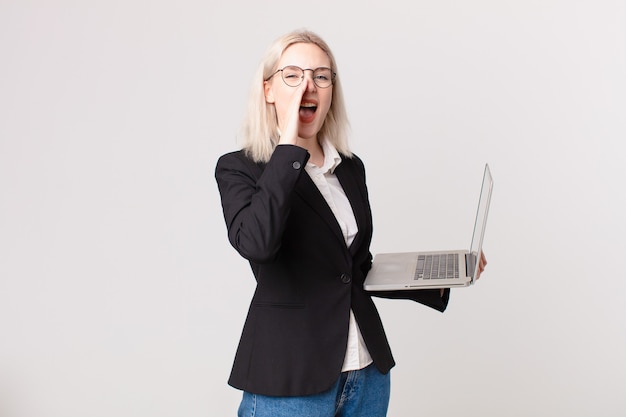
{"x": 345, "y": 278}
{"x": 296, "y": 165}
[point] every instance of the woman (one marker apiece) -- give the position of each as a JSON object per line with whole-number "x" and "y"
{"x": 296, "y": 206}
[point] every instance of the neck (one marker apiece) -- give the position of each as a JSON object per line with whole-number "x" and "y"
{"x": 315, "y": 150}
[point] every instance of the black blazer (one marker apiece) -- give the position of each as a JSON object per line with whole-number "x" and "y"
{"x": 295, "y": 336}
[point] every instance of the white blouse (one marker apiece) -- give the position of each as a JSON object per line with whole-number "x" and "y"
{"x": 357, "y": 355}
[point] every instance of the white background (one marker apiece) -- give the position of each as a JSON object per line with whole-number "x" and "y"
{"x": 119, "y": 293}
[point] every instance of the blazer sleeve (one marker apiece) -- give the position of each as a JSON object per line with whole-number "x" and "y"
{"x": 430, "y": 298}
{"x": 256, "y": 199}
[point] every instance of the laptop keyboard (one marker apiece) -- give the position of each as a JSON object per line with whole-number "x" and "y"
{"x": 437, "y": 266}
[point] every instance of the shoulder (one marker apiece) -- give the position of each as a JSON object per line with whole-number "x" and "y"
{"x": 236, "y": 160}
{"x": 353, "y": 162}
{"x": 233, "y": 157}
{"x": 357, "y": 160}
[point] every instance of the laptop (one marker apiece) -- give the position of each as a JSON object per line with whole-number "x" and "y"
{"x": 433, "y": 269}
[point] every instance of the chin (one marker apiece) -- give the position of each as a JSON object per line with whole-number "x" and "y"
{"x": 309, "y": 134}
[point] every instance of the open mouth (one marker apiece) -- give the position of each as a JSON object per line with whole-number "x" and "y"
{"x": 307, "y": 112}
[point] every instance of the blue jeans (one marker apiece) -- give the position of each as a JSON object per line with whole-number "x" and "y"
{"x": 363, "y": 393}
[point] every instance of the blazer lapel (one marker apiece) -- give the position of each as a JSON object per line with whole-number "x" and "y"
{"x": 350, "y": 185}
{"x": 309, "y": 192}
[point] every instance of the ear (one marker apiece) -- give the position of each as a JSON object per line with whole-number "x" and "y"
{"x": 269, "y": 94}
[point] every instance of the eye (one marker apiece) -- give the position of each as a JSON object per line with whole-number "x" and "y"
{"x": 323, "y": 74}
{"x": 292, "y": 73}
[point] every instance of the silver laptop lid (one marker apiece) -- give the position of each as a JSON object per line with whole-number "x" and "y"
{"x": 481, "y": 222}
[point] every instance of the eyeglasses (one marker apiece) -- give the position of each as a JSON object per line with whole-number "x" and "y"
{"x": 323, "y": 77}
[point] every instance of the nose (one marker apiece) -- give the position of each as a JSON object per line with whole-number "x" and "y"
{"x": 308, "y": 79}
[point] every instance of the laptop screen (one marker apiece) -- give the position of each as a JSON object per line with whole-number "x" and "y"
{"x": 481, "y": 222}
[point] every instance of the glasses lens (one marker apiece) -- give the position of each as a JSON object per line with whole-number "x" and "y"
{"x": 292, "y": 76}
{"x": 323, "y": 77}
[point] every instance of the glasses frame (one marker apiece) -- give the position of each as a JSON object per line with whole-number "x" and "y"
{"x": 332, "y": 75}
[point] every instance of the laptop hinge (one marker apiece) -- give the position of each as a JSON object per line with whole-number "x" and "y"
{"x": 470, "y": 265}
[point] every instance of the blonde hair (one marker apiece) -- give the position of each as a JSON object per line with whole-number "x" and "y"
{"x": 260, "y": 126}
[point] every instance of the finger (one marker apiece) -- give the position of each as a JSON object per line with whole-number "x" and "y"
{"x": 481, "y": 264}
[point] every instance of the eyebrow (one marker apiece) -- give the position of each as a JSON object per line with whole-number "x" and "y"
{"x": 298, "y": 66}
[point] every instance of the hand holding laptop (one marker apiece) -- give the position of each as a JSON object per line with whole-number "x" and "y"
{"x": 481, "y": 264}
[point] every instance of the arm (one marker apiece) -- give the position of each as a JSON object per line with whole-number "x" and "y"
{"x": 435, "y": 298}
{"x": 256, "y": 201}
